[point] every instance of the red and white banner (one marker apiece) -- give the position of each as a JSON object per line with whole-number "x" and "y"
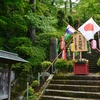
{"x": 89, "y": 28}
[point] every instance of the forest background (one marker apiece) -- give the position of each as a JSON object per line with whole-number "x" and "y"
{"x": 26, "y": 27}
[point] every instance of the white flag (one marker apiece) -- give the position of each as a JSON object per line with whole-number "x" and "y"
{"x": 89, "y": 28}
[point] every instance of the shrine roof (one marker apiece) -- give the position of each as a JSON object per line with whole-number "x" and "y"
{"x": 9, "y": 57}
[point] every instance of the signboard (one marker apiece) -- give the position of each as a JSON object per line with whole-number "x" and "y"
{"x": 4, "y": 83}
{"x": 80, "y": 43}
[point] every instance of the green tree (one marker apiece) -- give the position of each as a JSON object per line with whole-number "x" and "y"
{"x": 85, "y": 10}
{"x": 60, "y": 17}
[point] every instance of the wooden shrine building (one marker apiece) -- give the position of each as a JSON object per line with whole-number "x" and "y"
{"x": 5, "y": 75}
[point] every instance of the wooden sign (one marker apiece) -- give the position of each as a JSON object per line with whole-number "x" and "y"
{"x": 80, "y": 42}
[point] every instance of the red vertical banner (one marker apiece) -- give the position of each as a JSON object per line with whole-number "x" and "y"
{"x": 63, "y": 48}
{"x": 99, "y": 40}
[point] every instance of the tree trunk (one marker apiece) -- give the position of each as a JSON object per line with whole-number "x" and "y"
{"x": 32, "y": 30}
{"x": 33, "y": 2}
{"x": 65, "y": 7}
{"x": 70, "y": 6}
{"x": 32, "y": 34}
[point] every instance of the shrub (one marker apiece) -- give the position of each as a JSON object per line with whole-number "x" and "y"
{"x": 64, "y": 65}
{"x": 70, "y": 65}
{"x": 98, "y": 62}
{"x": 31, "y": 94}
{"x": 35, "y": 83}
{"x": 45, "y": 64}
{"x": 30, "y": 91}
{"x": 61, "y": 64}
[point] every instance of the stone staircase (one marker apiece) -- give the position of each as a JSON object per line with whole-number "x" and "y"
{"x": 93, "y": 58}
{"x": 73, "y": 87}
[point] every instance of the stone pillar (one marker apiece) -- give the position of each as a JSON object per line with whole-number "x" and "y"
{"x": 53, "y": 47}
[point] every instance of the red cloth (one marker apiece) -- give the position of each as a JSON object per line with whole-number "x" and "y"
{"x": 63, "y": 48}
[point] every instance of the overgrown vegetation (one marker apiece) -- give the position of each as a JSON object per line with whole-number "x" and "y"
{"x": 31, "y": 94}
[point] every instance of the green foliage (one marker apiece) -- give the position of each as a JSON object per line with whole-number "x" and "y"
{"x": 86, "y": 10}
{"x": 30, "y": 91}
{"x": 23, "y": 71}
{"x": 60, "y": 17}
{"x": 22, "y": 46}
{"x": 39, "y": 56}
{"x": 64, "y": 65}
{"x": 32, "y": 97}
{"x": 75, "y": 23}
{"x": 2, "y": 23}
{"x": 43, "y": 40}
{"x": 2, "y": 40}
{"x": 98, "y": 62}
{"x": 70, "y": 65}
{"x": 52, "y": 9}
{"x": 42, "y": 23}
{"x": 12, "y": 20}
{"x": 42, "y": 9}
{"x": 14, "y": 25}
{"x": 70, "y": 20}
{"x": 17, "y": 89}
{"x": 19, "y": 23}
{"x": 61, "y": 65}
{"x": 20, "y": 41}
{"x": 35, "y": 83}
{"x": 45, "y": 64}
{"x": 24, "y": 52}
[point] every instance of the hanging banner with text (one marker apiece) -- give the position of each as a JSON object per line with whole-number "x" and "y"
{"x": 80, "y": 42}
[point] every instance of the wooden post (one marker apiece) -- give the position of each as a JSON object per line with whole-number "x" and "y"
{"x": 80, "y": 55}
{"x": 27, "y": 90}
{"x": 9, "y": 81}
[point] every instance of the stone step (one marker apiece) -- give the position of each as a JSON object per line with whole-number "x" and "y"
{"x": 77, "y": 77}
{"x": 75, "y": 94}
{"x": 94, "y": 69}
{"x": 94, "y": 66}
{"x": 74, "y": 87}
{"x": 78, "y": 82}
{"x": 48, "y": 97}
